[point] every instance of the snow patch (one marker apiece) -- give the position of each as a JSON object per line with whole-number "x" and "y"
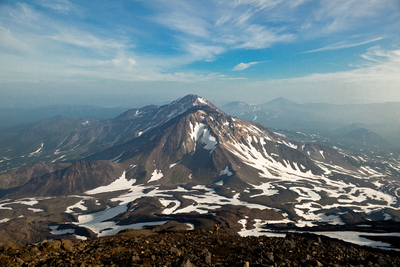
{"x": 37, "y": 151}
{"x": 210, "y": 141}
{"x": 156, "y": 175}
{"x": 226, "y": 172}
{"x": 120, "y": 184}
{"x": 35, "y": 210}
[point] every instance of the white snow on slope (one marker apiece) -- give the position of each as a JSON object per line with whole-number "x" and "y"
{"x": 117, "y": 158}
{"x": 210, "y": 141}
{"x": 97, "y": 222}
{"x": 37, "y": 151}
{"x": 120, "y": 184}
{"x": 54, "y": 231}
{"x": 35, "y": 210}
{"x": 78, "y": 205}
{"x": 226, "y": 172}
{"x": 196, "y": 131}
{"x": 156, "y": 175}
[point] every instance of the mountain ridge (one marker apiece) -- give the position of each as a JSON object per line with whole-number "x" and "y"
{"x": 194, "y": 163}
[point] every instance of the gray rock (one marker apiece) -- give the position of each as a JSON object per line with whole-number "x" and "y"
{"x": 185, "y": 263}
{"x": 135, "y": 258}
{"x": 175, "y": 251}
{"x": 291, "y": 243}
{"x": 381, "y": 262}
{"x": 205, "y": 252}
{"x": 207, "y": 259}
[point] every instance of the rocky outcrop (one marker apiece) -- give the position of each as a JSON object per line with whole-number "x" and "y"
{"x": 195, "y": 248}
{"x": 77, "y": 178}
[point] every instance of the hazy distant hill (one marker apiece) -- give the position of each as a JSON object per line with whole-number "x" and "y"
{"x": 336, "y": 120}
{"x": 13, "y": 116}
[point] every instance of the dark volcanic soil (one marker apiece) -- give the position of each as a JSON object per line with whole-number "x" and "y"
{"x": 195, "y": 248}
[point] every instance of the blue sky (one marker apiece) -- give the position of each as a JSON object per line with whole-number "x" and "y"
{"x": 132, "y": 53}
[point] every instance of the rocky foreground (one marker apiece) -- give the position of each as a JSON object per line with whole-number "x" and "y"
{"x": 195, "y": 248}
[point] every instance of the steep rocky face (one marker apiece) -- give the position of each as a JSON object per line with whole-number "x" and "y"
{"x": 20, "y": 176}
{"x": 77, "y": 178}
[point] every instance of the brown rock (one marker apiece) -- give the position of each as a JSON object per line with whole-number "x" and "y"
{"x": 67, "y": 245}
{"x": 25, "y": 256}
{"x": 185, "y": 263}
{"x": 135, "y": 258}
{"x": 54, "y": 244}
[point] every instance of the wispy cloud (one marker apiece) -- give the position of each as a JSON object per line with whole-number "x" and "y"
{"x": 242, "y": 66}
{"x": 62, "y": 6}
{"x": 11, "y": 42}
{"x": 342, "y": 45}
{"x": 384, "y": 71}
{"x": 204, "y": 52}
{"x": 258, "y": 37}
{"x": 86, "y": 40}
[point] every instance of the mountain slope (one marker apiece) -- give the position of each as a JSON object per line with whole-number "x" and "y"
{"x": 192, "y": 163}
{"x": 60, "y": 139}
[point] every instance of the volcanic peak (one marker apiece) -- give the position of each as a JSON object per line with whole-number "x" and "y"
{"x": 169, "y": 111}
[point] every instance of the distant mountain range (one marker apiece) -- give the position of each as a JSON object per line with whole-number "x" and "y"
{"x": 327, "y": 119}
{"x": 187, "y": 161}
{"x": 14, "y": 116}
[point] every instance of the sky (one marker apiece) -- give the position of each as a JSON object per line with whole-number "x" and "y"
{"x": 137, "y": 52}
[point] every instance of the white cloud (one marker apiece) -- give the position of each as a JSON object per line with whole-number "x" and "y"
{"x": 86, "y": 40}
{"x": 204, "y": 52}
{"x": 243, "y": 66}
{"x": 386, "y": 71}
{"x": 343, "y": 45}
{"x": 258, "y": 37}
{"x": 62, "y": 6}
{"x": 10, "y": 41}
{"x": 24, "y": 13}
{"x": 347, "y": 15}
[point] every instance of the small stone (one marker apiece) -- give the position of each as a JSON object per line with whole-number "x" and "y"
{"x": 135, "y": 258}
{"x": 289, "y": 236}
{"x": 291, "y": 243}
{"x": 54, "y": 244}
{"x": 381, "y": 262}
{"x": 315, "y": 263}
{"x": 67, "y": 245}
{"x": 185, "y": 263}
{"x": 205, "y": 252}
{"x": 25, "y": 256}
{"x": 207, "y": 259}
{"x": 175, "y": 251}
{"x": 19, "y": 260}
{"x": 35, "y": 250}
{"x": 246, "y": 264}
{"x": 270, "y": 256}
